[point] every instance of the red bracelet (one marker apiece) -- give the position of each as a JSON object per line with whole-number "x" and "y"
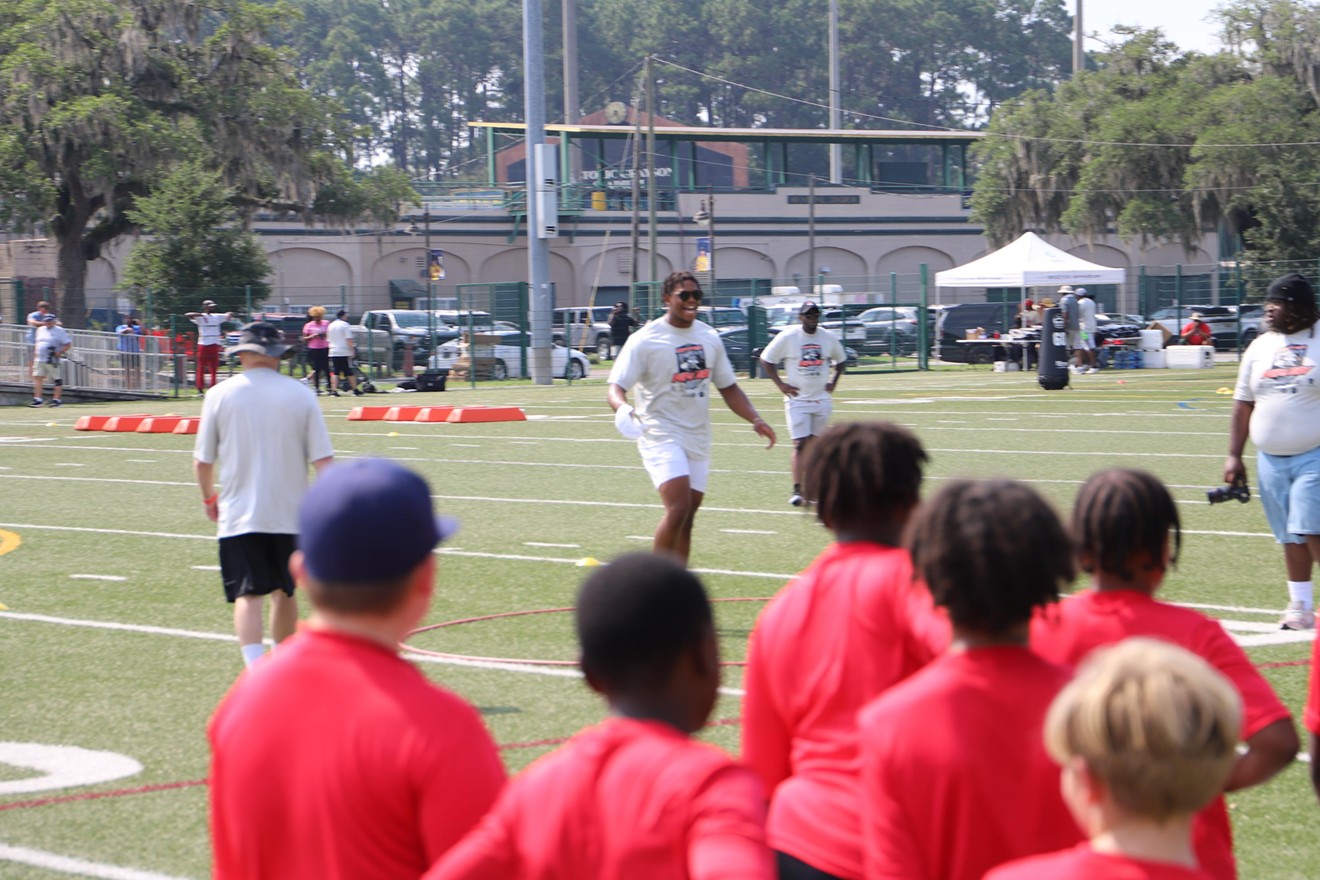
{"x": 211, "y": 500}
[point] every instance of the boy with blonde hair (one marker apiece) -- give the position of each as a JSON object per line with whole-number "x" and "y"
{"x": 1146, "y": 736}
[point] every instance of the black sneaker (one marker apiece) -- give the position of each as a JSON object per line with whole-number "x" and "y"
{"x": 334, "y": 393}
{"x": 36, "y": 401}
{"x": 56, "y": 403}
{"x": 357, "y": 392}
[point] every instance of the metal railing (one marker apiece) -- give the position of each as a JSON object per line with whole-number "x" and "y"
{"x": 95, "y": 363}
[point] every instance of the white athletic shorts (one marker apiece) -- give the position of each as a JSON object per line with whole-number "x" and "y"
{"x": 667, "y": 461}
{"x": 807, "y": 418}
{"x": 1081, "y": 339}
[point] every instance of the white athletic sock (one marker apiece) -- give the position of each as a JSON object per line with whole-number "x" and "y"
{"x": 1301, "y": 591}
{"x": 252, "y": 653}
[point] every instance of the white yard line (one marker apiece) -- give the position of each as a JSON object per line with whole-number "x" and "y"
{"x": 77, "y": 867}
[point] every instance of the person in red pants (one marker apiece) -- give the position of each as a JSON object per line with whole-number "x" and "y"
{"x": 208, "y": 322}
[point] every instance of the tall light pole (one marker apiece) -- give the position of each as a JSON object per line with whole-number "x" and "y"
{"x": 538, "y": 248}
{"x": 836, "y": 150}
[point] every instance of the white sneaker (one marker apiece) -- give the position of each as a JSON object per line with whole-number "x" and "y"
{"x": 1297, "y": 616}
{"x": 1093, "y": 369}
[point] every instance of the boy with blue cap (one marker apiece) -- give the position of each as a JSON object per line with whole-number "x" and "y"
{"x": 335, "y": 757}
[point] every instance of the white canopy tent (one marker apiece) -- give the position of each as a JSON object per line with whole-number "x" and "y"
{"x": 1029, "y": 261}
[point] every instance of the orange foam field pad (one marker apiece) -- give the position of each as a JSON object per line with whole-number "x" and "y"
{"x": 124, "y": 423}
{"x": 368, "y": 413}
{"x": 186, "y": 426}
{"x": 487, "y": 414}
{"x": 434, "y": 414}
{"x": 402, "y": 413}
{"x": 97, "y": 423}
{"x": 159, "y": 425}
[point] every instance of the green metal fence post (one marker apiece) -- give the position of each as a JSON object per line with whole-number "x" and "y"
{"x": 923, "y": 334}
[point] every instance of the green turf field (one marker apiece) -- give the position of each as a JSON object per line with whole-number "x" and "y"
{"x": 117, "y": 638}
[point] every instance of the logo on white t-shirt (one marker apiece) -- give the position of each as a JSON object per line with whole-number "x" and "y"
{"x": 813, "y": 357}
{"x": 692, "y": 372}
{"x": 1290, "y": 363}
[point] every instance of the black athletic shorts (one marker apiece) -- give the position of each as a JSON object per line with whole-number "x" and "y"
{"x": 341, "y": 366}
{"x": 256, "y": 564}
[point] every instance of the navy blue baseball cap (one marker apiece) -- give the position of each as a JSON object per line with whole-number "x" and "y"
{"x": 808, "y": 306}
{"x": 368, "y": 520}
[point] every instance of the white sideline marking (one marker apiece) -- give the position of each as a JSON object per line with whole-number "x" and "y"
{"x": 140, "y": 460}
{"x": 97, "y": 577}
{"x": 748, "y": 532}
{"x": 640, "y": 537}
{"x": 405, "y": 448}
{"x": 546, "y": 544}
{"x": 69, "y": 464}
{"x": 468, "y": 445}
{"x": 77, "y": 867}
{"x": 204, "y": 567}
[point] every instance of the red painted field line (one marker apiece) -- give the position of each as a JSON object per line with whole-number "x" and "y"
{"x": 443, "y": 655}
{"x": 94, "y": 795}
{"x": 1280, "y": 664}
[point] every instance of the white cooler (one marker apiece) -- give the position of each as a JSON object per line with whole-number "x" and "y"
{"x": 1153, "y": 360}
{"x": 1185, "y": 357}
{"x": 1152, "y": 340}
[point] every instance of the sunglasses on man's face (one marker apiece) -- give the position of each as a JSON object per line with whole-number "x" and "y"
{"x": 686, "y": 295}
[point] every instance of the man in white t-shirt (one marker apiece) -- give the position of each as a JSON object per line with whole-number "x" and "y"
{"x": 51, "y": 344}
{"x": 1084, "y": 343}
{"x": 1277, "y": 403}
{"x": 342, "y": 351}
{"x": 672, "y": 364}
{"x": 263, "y": 429}
{"x": 807, "y": 351}
{"x": 208, "y": 322}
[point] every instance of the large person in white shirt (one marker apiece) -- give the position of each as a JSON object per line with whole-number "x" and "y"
{"x": 808, "y": 352}
{"x": 262, "y": 431}
{"x": 1277, "y": 402}
{"x": 672, "y": 363}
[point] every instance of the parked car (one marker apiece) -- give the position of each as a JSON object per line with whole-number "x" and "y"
{"x": 586, "y": 327}
{"x": 290, "y": 327}
{"x": 721, "y": 317}
{"x": 507, "y": 347}
{"x": 1222, "y": 320}
{"x": 737, "y": 346}
{"x": 849, "y": 329}
{"x": 891, "y": 329}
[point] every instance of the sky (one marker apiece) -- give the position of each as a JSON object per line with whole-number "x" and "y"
{"x": 1183, "y": 21}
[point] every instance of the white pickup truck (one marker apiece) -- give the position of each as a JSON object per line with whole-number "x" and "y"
{"x": 382, "y": 331}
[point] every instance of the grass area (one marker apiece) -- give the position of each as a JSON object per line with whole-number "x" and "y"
{"x": 117, "y": 637}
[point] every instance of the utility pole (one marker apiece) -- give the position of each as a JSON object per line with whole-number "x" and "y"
{"x": 811, "y": 235}
{"x": 650, "y": 167}
{"x": 1079, "y": 56}
{"x": 572, "y": 106}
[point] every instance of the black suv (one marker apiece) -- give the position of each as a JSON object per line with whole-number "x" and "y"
{"x": 954, "y": 322}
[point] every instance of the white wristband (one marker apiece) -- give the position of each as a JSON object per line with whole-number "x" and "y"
{"x": 626, "y": 423}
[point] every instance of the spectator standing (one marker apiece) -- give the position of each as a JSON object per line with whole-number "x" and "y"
{"x": 1087, "y": 326}
{"x": 1071, "y": 328}
{"x": 264, "y": 429}
{"x": 622, "y": 324}
{"x": 342, "y": 349}
{"x": 633, "y": 798}
{"x": 1277, "y": 402}
{"x": 209, "y": 322}
{"x": 130, "y": 349}
{"x": 808, "y": 353}
{"x": 36, "y": 319}
{"x": 1127, "y": 531}
{"x": 315, "y": 336}
{"x": 338, "y": 758}
{"x": 1197, "y": 331}
{"x": 955, "y": 777}
{"x": 52, "y": 343}
{"x": 850, "y": 626}
{"x": 1145, "y": 737}
{"x": 672, "y": 363}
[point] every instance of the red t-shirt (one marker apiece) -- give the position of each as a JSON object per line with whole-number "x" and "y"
{"x": 1198, "y": 333}
{"x": 1311, "y": 716}
{"x": 1083, "y": 863}
{"x": 1087, "y": 620}
{"x": 335, "y": 759}
{"x": 850, "y": 626}
{"x": 626, "y": 799}
{"x": 955, "y": 777}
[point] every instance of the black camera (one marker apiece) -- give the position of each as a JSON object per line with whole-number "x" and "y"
{"x": 1220, "y": 494}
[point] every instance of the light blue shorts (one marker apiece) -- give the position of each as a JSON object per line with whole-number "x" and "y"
{"x": 1290, "y": 492}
